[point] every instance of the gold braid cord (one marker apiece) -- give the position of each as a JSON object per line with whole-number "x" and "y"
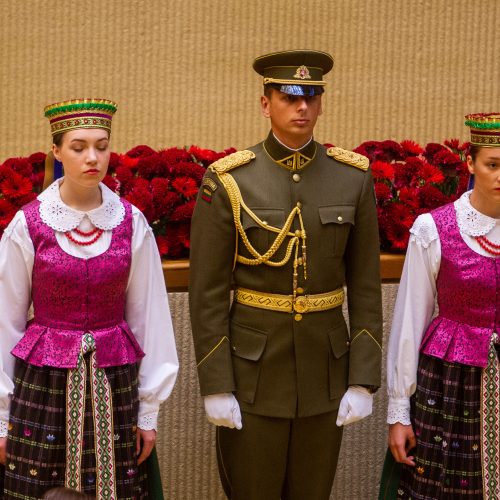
{"x": 349, "y": 157}
{"x": 296, "y": 237}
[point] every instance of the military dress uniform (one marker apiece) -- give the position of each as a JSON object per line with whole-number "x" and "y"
{"x": 286, "y": 229}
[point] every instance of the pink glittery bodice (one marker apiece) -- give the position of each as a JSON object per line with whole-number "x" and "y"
{"x": 72, "y": 296}
{"x": 468, "y": 299}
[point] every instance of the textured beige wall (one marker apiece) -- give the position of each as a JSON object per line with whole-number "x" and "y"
{"x": 186, "y": 441}
{"x": 181, "y": 70}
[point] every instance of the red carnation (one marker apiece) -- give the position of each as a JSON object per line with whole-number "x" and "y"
{"x": 453, "y": 144}
{"x": 114, "y": 163}
{"x": 20, "y": 165}
{"x": 37, "y": 161}
{"x": 409, "y": 196}
{"x": 186, "y": 186}
{"x": 142, "y": 198}
{"x": 432, "y": 149}
{"x": 405, "y": 172}
{"x": 124, "y": 175}
{"x": 140, "y": 151}
{"x": 129, "y": 162}
{"x": 382, "y": 170}
{"x": 160, "y": 186}
{"x": 174, "y": 155}
{"x": 15, "y": 186}
{"x": 112, "y": 183}
{"x": 162, "y": 243}
{"x": 382, "y": 192}
{"x": 152, "y": 166}
{"x": 432, "y": 197}
{"x": 37, "y": 180}
{"x": 447, "y": 159}
{"x": 398, "y": 235}
{"x": 188, "y": 169}
{"x": 429, "y": 173}
{"x": 7, "y": 212}
{"x": 183, "y": 212}
{"x": 203, "y": 155}
{"x": 411, "y": 148}
{"x": 183, "y": 234}
{"x": 165, "y": 205}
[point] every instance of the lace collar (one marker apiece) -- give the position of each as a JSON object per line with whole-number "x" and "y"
{"x": 470, "y": 221}
{"x": 62, "y": 218}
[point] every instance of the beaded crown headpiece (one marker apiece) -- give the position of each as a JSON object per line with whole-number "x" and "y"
{"x": 71, "y": 115}
{"x": 80, "y": 113}
{"x": 484, "y": 129}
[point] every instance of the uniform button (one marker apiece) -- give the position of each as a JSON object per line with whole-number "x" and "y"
{"x": 299, "y": 205}
{"x": 298, "y": 232}
{"x": 300, "y": 290}
{"x": 233, "y": 348}
{"x": 296, "y": 177}
{"x": 297, "y": 317}
{"x": 339, "y": 218}
{"x": 347, "y": 343}
{"x": 264, "y": 222}
{"x": 300, "y": 261}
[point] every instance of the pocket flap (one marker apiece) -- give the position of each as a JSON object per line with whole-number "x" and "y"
{"x": 247, "y": 342}
{"x": 337, "y": 214}
{"x": 339, "y": 340}
{"x": 273, "y": 217}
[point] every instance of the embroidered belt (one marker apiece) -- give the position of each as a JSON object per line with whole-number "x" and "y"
{"x": 102, "y": 410}
{"x": 286, "y": 303}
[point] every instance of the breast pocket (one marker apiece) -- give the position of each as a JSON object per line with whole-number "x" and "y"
{"x": 260, "y": 237}
{"x": 247, "y": 346}
{"x": 337, "y": 221}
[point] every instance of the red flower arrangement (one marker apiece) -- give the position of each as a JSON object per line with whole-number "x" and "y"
{"x": 409, "y": 180}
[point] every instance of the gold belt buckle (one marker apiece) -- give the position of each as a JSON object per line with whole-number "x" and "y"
{"x": 301, "y": 304}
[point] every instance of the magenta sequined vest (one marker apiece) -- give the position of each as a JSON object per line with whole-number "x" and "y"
{"x": 72, "y": 296}
{"x": 468, "y": 286}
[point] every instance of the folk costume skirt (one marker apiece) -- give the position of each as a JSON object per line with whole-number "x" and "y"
{"x": 453, "y": 427}
{"x": 38, "y": 434}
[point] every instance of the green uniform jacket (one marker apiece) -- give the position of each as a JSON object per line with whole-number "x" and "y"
{"x": 278, "y": 366}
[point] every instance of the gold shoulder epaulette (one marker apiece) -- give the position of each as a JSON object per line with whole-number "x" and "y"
{"x": 349, "y": 157}
{"x": 232, "y": 161}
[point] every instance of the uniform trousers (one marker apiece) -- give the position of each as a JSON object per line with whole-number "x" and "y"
{"x": 272, "y": 458}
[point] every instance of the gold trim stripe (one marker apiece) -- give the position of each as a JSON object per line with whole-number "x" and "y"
{"x": 286, "y": 303}
{"x": 369, "y": 334}
{"x": 285, "y": 81}
{"x": 213, "y": 350}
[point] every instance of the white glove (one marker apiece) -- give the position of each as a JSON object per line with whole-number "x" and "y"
{"x": 356, "y": 404}
{"x": 223, "y": 409}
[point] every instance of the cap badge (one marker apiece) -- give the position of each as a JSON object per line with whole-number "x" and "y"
{"x": 302, "y": 73}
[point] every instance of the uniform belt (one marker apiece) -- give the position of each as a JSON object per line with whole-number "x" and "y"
{"x": 286, "y": 303}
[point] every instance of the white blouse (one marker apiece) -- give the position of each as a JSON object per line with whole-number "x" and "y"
{"x": 146, "y": 311}
{"x": 415, "y": 303}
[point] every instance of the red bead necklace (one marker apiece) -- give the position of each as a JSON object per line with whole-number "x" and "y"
{"x": 488, "y": 245}
{"x": 96, "y": 231}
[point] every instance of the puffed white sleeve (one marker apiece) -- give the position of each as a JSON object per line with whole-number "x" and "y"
{"x": 16, "y": 265}
{"x": 148, "y": 314}
{"x": 413, "y": 312}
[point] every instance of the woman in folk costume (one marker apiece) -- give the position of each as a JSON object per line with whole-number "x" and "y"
{"x": 443, "y": 373}
{"x": 82, "y": 381}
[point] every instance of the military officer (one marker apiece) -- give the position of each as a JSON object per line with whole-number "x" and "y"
{"x": 286, "y": 223}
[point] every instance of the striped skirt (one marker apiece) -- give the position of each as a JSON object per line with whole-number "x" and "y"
{"x": 36, "y": 446}
{"x": 446, "y": 418}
